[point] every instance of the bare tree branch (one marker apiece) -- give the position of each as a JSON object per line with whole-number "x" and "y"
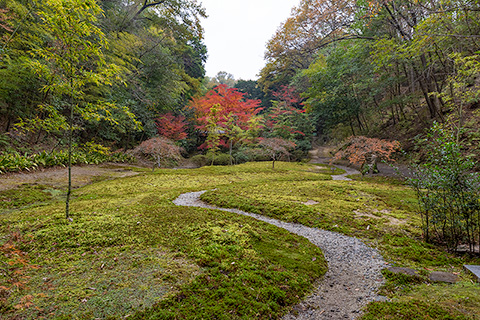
{"x": 147, "y": 5}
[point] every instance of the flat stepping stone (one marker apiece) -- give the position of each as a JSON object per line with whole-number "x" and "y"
{"x": 447, "y": 277}
{"x": 474, "y": 269}
{"x": 407, "y": 271}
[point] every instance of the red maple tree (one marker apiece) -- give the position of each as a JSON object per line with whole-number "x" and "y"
{"x": 161, "y": 150}
{"x": 287, "y": 118}
{"x": 223, "y": 111}
{"x": 288, "y": 94}
{"x": 171, "y": 126}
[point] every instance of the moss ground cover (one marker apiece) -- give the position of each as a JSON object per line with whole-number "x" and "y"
{"x": 130, "y": 251}
{"x": 380, "y": 211}
{"x": 24, "y": 195}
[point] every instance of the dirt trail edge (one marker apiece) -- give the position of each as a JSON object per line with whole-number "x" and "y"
{"x": 354, "y": 269}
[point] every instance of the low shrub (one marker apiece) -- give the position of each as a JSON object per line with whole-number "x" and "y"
{"x": 199, "y": 160}
{"x": 240, "y": 157}
{"x": 256, "y": 154}
{"x": 221, "y": 159}
{"x": 448, "y": 191}
{"x": 90, "y": 153}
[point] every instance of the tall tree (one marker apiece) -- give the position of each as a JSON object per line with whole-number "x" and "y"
{"x": 225, "y": 115}
{"x": 312, "y": 25}
{"x": 222, "y": 77}
{"x": 287, "y": 119}
{"x": 160, "y": 44}
{"x": 69, "y": 63}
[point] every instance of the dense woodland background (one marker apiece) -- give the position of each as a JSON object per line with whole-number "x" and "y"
{"x": 118, "y": 73}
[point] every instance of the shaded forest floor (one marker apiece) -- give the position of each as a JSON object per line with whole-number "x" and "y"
{"x": 58, "y": 177}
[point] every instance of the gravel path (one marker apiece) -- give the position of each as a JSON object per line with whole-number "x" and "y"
{"x": 354, "y": 269}
{"x": 348, "y": 171}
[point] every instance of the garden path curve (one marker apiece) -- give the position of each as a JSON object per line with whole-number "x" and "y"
{"x": 354, "y": 269}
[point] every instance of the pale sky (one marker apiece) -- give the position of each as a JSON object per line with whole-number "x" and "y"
{"x": 237, "y": 31}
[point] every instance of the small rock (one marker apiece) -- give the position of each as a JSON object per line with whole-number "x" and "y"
{"x": 406, "y": 271}
{"x": 443, "y": 277}
{"x": 381, "y": 299}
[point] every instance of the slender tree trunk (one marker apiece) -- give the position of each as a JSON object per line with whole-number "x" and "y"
{"x": 365, "y": 121}
{"x": 351, "y": 127}
{"x": 70, "y": 139}
{"x": 393, "y": 115}
{"x": 231, "y": 162}
{"x": 39, "y": 135}
{"x": 360, "y": 125}
{"x": 8, "y": 124}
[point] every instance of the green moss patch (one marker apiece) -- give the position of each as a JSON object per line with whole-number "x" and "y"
{"x": 24, "y": 195}
{"x": 380, "y": 211}
{"x": 412, "y": 310}
{"x": 130, "y": 251}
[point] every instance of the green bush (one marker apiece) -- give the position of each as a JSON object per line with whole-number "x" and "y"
{"x": 448, "y": 191}
{"x": 221, "y": 159}
{"x": 299, "y": 155}
{"x": 240, "y": 157}
{"x": 256, "y": 154}
{"x": 199, "y": 160}
{"x": 88, "y": 154}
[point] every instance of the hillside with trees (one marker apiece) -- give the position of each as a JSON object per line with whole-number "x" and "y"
{"x": 117, "y": 69}
{"x": 385, "y": 69}
{"x": 379, "y": 68}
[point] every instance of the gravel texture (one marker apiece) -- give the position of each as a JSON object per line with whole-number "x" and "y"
{"x": 354, "y": 269}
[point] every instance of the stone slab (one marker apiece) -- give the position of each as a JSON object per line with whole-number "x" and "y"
{"x": 406, "y": 271}
{"x": 438, "y": 276}
{"x": 474, "y": 269}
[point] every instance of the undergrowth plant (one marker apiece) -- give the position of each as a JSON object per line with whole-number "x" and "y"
{"x": 90, "y": 153}
{"x": 448, "y": 191}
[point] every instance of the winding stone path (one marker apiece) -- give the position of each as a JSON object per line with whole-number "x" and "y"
{"x": 348, "y": 171}
{"x": 354, "y": 269}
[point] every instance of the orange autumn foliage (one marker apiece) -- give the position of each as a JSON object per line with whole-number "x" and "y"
{"x": 359, "y": 149}
{"x": 16, "y": 267}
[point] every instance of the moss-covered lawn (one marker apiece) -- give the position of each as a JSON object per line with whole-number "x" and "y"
{"x": 381, "y": 211}
{"x": 130, "y": 251}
